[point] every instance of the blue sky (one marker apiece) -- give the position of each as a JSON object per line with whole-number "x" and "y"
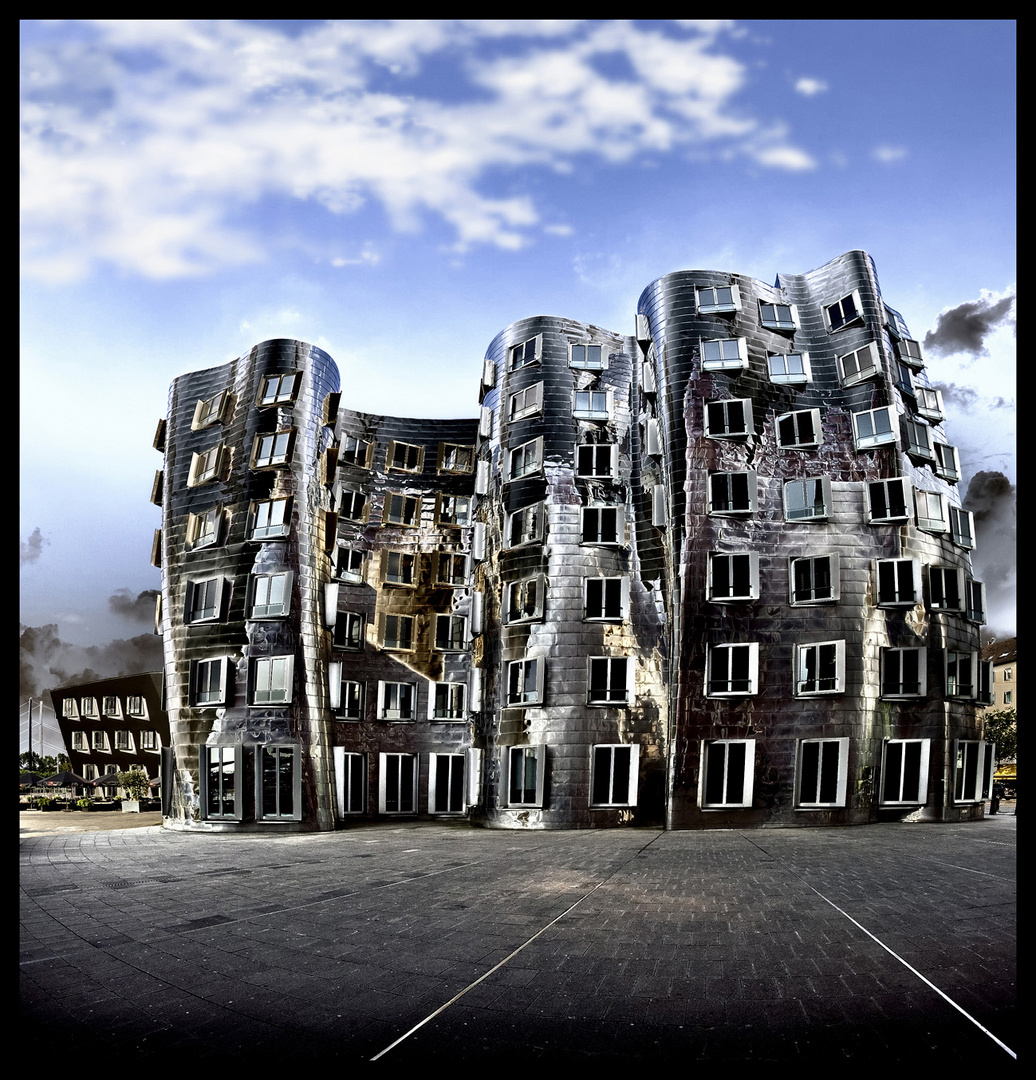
{"x": 397, "y": 192}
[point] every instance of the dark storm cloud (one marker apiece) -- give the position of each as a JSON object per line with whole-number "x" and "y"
{"x": 991, "y": 497}
{"x": 140, "y": 608}
{"x": 30, "y": 550}
{"x": 964, "y": 329}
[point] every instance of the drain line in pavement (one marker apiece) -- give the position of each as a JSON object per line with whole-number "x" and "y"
{"x": 914, "y": 970}
{"x": 482, "y": 978}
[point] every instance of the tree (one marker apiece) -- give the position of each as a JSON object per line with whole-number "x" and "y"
{"x": 1001, "y": 728}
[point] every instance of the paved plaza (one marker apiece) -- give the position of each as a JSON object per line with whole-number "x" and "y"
{"x": 408, "y": 942}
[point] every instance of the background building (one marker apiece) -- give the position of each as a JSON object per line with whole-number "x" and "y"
{"x": 714, "y": 573}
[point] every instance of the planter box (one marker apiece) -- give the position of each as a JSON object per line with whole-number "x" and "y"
{"x": 131, "y": 806}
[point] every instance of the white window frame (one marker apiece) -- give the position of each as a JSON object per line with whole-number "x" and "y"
{"x": 969, "y": 769}
{"x": 931, "y": 511}
{"x": 208, "y": 465}
{"x": 895, "y": 664}
{"x": 277, "y": 389}
{"x": 726, "y": 570}
{"x": 352, "y": 504}
{"x": 735, "y": 785}
{"x": 803, "y": 425}
{"x": 859, "y": 365}
{"x": 451, "y": 633}
{"x": 204, "y": 527}
{"x": 894, "y": 788}
{"x": 874, "y": 427}
{"x": 525, "y": 459}
{"x": 776, "y": 322}
{"x": 609, "y": 680}
{"x": 399, "y": 568}
{"x": 397, "y": 701}
{"x": 524, "y": 682}
{"x": 525, "y": 402}
{"x": 262, "y": 588}
{"x": 917, "y": 439}
{"x": 273, "y": 449}
{"x": 929, "y": 403}
{"x": 349, "y": 631}
{"x": 397, "y": 784}
{"x": 218, "y": 687}
{"x": 350, "y": 781}
{"x": 897, "y": 582}
{"x": 526, "y": 526}
{"x": 909, "y": 351}
{"x": 606, "y": 599}
{"x": 715, "y": 304}
{"x": 226, "y": 757}
{"x": 614, "y": 775}
{"x": 782, "y": 374}
{"x": 596, "y": 534}
{"x": 946, "y": 461}
{"x": 587, "y": 356}
{"x": 211, "y": 592}
{"x": 724, "y": 354}
{"x": 813, "y": 658}
{"x": 974, "y": 601}
{"x": 270, "y": 519}
{"x": 452, "y": 511}
{"x": 271, "y": 680}
{"x": 821, "y": 484}
{"x": 286, "y": 797}
{"x": 455, "y": 458}
{"x": 517, "y": 759}
{"x": 961, "y": 674}
{"x": 447, "y": 701}
{"x": 843, "y": 318}
{"x": 728, "y": 502}
{"x": 592, "y": 457}
{"x": 211, "y": 410}
{"x": 946, "y": 589}
{"x": 729, "y": 418}
{"x": 796, "y": 597}
{"x": 351, "y": 564}
{"x": 592, "y": 404}
{"x": 525, "y": 353}
{"x": 397, "y": 632}
{"x": 447, "y": 783}
{"x": 732, "y": 669}
{"x": 814, "y": 778}
{"x": 150, "y": 742}
{"x": 452, "y": 568}
{"x": 526, "y": 595}
{"x": 889, "y": 510}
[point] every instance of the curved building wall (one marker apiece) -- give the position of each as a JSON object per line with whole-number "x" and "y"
{"x": 572, "y": 656}
{"x": 783, "y": 637}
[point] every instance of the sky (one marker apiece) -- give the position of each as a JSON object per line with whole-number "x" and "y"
{"x": 398, "y": 192}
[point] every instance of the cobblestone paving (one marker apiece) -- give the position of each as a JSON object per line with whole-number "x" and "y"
{"x": 412, "y": 942}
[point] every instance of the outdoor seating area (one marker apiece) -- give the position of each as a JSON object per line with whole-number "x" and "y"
{"x": 70, "y": 792}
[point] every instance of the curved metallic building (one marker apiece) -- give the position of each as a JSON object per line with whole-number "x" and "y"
{"x": 712, "y": 574}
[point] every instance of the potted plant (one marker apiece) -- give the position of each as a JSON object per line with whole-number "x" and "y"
{"x": 137, "y": 786}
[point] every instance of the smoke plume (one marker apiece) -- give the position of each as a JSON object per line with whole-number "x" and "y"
{"x": 992, "y": 499}
{"x": 964, "y": 329}
{"x": 30, "y": 550}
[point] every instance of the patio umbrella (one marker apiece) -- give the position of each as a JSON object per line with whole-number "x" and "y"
{"x": 29, "y": 779}
{"x": 64, "y": 779}
{"x": 110, "y": 779}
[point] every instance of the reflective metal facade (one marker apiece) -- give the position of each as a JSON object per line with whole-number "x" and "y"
{"x": 712, "y": 574}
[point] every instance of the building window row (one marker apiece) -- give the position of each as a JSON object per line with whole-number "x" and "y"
{"x": 126, "y": 741}
{"x": 86, "y": 707}
{"x": 396, "y": 701}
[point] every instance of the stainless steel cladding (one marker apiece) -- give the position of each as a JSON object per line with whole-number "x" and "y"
{"x": 714, "y": 573}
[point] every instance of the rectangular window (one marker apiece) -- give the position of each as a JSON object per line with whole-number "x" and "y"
{"x": 899, "y": 582}
{"x": 526, "y": 402}
{"x": 526, "y": 526}
{"x": 397, "y": 632}
{"x": 455, "y": 459}
{"x": 807, "y": 500}
{"x": 451, "y": 633}
{"x": 451, "y": 568}
{"x": 778, "y": 316}
{"x": 210, "y": 682}
{"x": 929, "y": 404}
{"x": 844, "y": 311}
{"x": 397, "y": 701}
{"x": 947, "y": 461}
{"x": 873, "y": 428}
{"x": 525, "y": 682}
{"x": 945, "y": 588}
{"x": 271, "y": 596}
{"x": 789, "y": 369}
{"x": 99, "y": 740}
{"x": 820, "y": 668}
{"x": 348, "y": 631}
{"x": 350, "y": 565}
{"x": 452, "y": 511}
{"x": 917, "y": 440}
{"x": 208, "y": 465}
{"x": 609, "y": 680}
{"x": 355, "y": 451}
{"x": 904, "y": 673}
{"x": 523, "y": 600}
{"x": 597, "y": 461}
{"x": 822, "y": 773}
{"x": 135, "y": 706}
{"x": 931, "y": 511}
{"x": 272, "y": 450}
{"x": 968, "y": 770}
{"x": 961, "y": 674}
{"x": 586, "y": 357}
{"x": 603, "y": 525}
{"x": 352, "y": 504}
{"x": 727, "y": 768}
{"x": 525, "y": 460}
{"x": 88, "y": 708}
{"x": 888, "y": 500}
{"x": 732, "y": 493}
{"x": 149, "y": 740}
{"x": 272, "y": 680}
{"x": 525, "y": 768}
{"x": 270, "y": 520}
{"x": 404, "y": 457}
{"x": 212, "y": 411}
{"x": 733, "y": 578}
{"x": 799, "y": 430}
{"x": 277, "y": 389}
{"x": 727, "y": 354}
{"x": 605, "y": 598}
{"x": 904, "y": 772}
{"x": 110, "y": 705}
{"x": 221, "y": 783}
{"x": 352, "y": 700}
{"x": 984, "y": 692}
{"x": 909, "y": 352}
{"x": 397, "y": 567}
{"x": 526, "y": 353}
{"x": 401, "y": 510}
{"x": 79, "y": 742}
{"x": 68, "y": 709}
{"x": 728, "y": 419}
{"x": 397, "y": 783}
{"x": 732, "y": 670}
{"x": 974, "y": 601}
{"x": 719, "y": 298}
{"x": 204, "y": 600}
{"x": 614, "y": 774}
{"x": 814, "y": 579}
{"x": 448, "y": 701}
{"x": 278, "y": 783}
{"x": 446, "y": 785}
{"x": 591, "y": 404}
{"x": 351, "y": 776}
{"x": 859, "y": 365}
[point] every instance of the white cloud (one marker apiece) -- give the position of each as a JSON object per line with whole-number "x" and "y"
{"x": 150, "y": 144}
{"x": 888, "y": 154}
{"x": 810, "y": 86}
